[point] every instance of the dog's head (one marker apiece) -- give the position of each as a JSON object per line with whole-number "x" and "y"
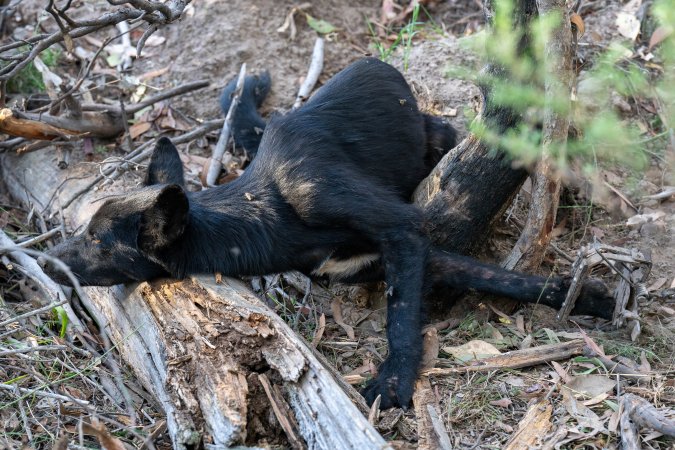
{"x": 126, "y": 236}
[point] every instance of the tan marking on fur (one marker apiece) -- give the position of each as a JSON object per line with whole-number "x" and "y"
{"x": 345, "y": 267}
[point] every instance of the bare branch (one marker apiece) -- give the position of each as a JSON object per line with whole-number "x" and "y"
{"x": 154, "y": 13}
{"x": 217, "y": 159}
{"x": 315, "y": 68}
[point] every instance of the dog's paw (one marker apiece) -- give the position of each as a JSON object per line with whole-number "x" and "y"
{"x": 395, "y": 383}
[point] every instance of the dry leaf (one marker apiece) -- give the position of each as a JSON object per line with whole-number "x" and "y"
{"x": 147, "y": 76}
{"x": 584, "y": 416}
{"x": 502, "y": 402}
{"x": 514, "y": 381}
{"x": 658, "y": 36}
{"x": 520, "y": 323}
{"x": 138, "y": 129}
{"x": 336, "y": 307}
{"x": 560, "y": 370}
{"x": 657, "y": 284}
{"x": 154, "y": 41}
{"x": 595, "y": 400}
{"x": 318, "y": 333}
{"x": 100, "y": 432}
{"x": 472, "y": 350}
{"x": 578, "y": 22}
{"x": 589, "y": 385}
{"x": 628, "y": 25}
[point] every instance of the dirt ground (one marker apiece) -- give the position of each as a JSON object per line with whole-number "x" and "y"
{"x": 212, "y": 41}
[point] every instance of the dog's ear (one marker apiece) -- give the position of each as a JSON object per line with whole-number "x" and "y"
{"x": 165, "y": 165}
{"x": 165, "y": 220}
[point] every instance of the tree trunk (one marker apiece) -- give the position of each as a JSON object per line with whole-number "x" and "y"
{"x": 529, "y": 251}
{"x": 474, "y": 183}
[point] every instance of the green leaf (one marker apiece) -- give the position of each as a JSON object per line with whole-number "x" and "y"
{"x": 63, "y": 318}
{"x": 319, "y": 25}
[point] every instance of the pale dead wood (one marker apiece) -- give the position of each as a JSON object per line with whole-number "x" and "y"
{"x": 282, "y": 412}
{"x": 630, "y": 437}
{"x": 517, "y": 359}
{"x": 96, "y": 120}
{"x": 645, "y": 414}
{"x": 430, "y": 429}
{"x": 315, "y": 68}
{"x": 532, "y": 427}
{"x": 217, "y": 161}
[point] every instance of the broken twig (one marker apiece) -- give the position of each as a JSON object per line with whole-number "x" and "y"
{"x": 517, "y": 358}
{"x": 315, "y": 68}
{"x": 216, "y": 163}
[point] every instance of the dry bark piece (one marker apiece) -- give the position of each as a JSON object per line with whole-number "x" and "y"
{"x": 430, "y": 429}
{"x": 533, "y": 427}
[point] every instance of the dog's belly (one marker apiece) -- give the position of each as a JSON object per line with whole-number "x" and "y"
{"x": 336, "y": 267}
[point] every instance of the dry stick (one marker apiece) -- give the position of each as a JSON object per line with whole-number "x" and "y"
{"x": 141, "y": 42}
{"x": 34, "y": 271}
{"x": 645, "y": 414}
{"x": 517, "y": 358}
{"x": 49, "y": 127}
{"x": 282, "y": 412}
{"x": 145, "y": 10}
{"x": 29, "y": 392}
{"x": 37, "y": 239}
{"x": 168, "y": 93}
{"x": 140, "y": 154}
{"x": 315, "y": 68}
{"x": 41, "y": 348}
{"x": 217, "y": 162}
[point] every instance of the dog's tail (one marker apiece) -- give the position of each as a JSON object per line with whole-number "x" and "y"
{"x": 441, "y": 137}
{"x": 247, "y": 125}
{"x": 455, "y": 271}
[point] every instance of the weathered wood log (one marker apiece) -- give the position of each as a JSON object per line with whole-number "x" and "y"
{"x": 193, "y": 344}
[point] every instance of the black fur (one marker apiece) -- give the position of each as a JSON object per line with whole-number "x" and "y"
{"x": 247, "y": 125}
{"x": 329, "y": 187}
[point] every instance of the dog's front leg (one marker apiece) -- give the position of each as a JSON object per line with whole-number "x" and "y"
{"x": 404, "y": 256}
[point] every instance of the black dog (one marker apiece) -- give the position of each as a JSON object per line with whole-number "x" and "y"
{"x": 327, "y": 194}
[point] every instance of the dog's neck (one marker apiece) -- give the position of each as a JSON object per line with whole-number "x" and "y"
{"x": 229, "y": 231}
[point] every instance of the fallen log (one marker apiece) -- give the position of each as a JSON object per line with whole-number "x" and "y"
{"x": 197, "y": 346}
